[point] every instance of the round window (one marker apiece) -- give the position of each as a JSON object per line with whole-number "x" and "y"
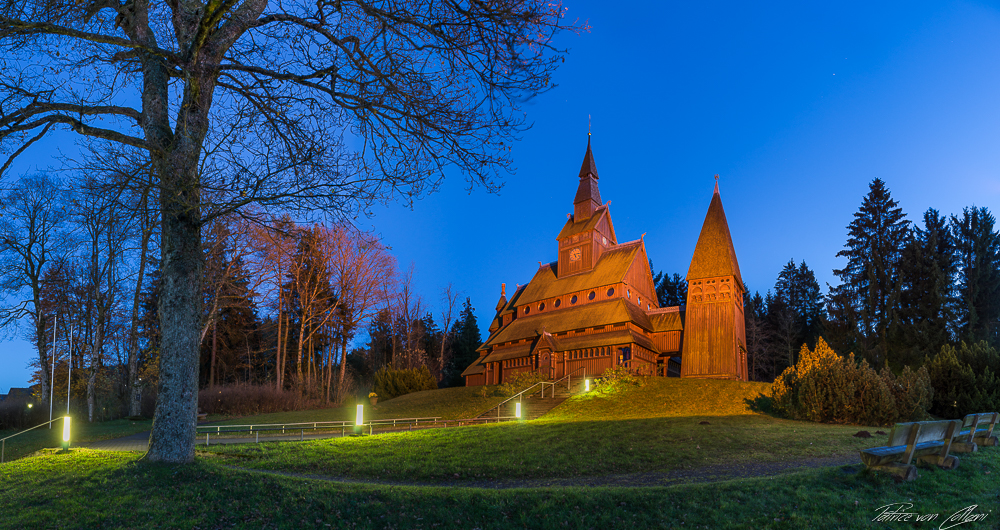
{"x": 573, "y": 300}
{"x": 557, "y": 303}
{"x": 592, "y": 295}
{"x": 527, "y": 310}
{"x": 611, "y": 291}
{"x": 541, "y": 306}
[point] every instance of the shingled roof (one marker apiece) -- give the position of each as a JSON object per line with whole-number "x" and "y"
{"x": 574, "y": 226}
{"x": 714, "y": 254}
{"x": 613, "y": 311}
{"x": 610, "y": 269}
{"x": 588, "y": 167}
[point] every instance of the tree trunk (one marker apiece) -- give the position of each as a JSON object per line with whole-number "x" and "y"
{"x": 172, "y": 436}
{"x": 211, "y": 363}
{"x": 277, "y": 350}
{"x": 135, "y": 389}
{"x": 343, "y": 370}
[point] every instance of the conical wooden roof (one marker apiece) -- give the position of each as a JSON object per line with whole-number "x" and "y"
{"x": 714, "y": 254}
{"x": 588, "y": 190}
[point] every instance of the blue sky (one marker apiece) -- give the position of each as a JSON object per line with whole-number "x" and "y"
{"x": 796, "y": 107}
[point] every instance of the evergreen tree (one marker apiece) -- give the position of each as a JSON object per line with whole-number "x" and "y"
{"x": 870, "y": 281}
{"x": 927, "y": 273}
{"x": 670, "y": 290}
{"x": 978, "y": 250}
{"x": 464, "y": 340}
{"x": 759, "y": 362}
{"x": 800, "y": 296}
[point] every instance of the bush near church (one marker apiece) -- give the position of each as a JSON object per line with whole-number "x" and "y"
{"x": 965, "y": 380}
{"x": 825, "y": 387}
{"x": 390, "y": 383}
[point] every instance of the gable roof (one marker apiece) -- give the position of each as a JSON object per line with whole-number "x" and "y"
{"x": 611, "y": 268}
{"x": 714, "y": 254}
{"x": 615, "y": 311}
{"x": 574, "y": 226}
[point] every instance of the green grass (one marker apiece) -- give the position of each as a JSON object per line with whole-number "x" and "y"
{"x": 82, "y": 431}
{"x": 662, "y": 397}
{"x": 93, "y": 489}
{"x": 555, "y": 449}
{"x": 448, "y": 403}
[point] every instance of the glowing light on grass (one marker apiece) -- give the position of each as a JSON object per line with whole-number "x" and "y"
{"x": 361, "y": 415}
{"x": 65, "y": 443}
{"x": 517, "y": 409}
{"x": 586, "y": 385}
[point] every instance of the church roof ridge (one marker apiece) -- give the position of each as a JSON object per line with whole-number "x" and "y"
{"x": 714, "y": 254}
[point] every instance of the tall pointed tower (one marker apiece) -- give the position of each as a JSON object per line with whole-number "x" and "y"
{"x": 588, "y": 232}
{"x": 714, "y": 334}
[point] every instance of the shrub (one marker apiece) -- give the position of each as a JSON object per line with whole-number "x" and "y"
{"x": 825, "y": 387}
{"x": 617, "y": 379}
{"x": 390, "y": 383}
{"x": 964, "y": 380}
{"x": 244, "y": 400}
{"x": 518, "y": 382}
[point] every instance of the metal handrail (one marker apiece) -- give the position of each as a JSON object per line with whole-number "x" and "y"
{"x": 3, "y": 441}
{"x": 520, "y": 394}
{"x": 256, "y": 429}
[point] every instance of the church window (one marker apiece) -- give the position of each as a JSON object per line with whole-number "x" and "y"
{"x": 557, "y": 303}
{"x": 628, "y": 293}
{"x": 611, "y": 292}
{"x": 591, "y": 295}
{"x": 573, "y": 300}
{"x": 638, "y": 300}
{"x": 527, "y": 310}
{"x": 541, "y": 306}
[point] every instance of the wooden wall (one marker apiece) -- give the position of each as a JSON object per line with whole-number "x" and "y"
{"x": 713, "y": 330}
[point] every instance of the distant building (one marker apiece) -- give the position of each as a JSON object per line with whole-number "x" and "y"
{"x": 595, "y": 307}
{"x": 18, "y": 394}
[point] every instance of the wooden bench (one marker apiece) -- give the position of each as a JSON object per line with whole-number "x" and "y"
{"x": 977, "y": 430}
{"x": 927, "y": 441}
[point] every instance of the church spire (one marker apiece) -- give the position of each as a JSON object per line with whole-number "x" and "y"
{"x": 714, "y": 254}
{"x": 588, "y": 196}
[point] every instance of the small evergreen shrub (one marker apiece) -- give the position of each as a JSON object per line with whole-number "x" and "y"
{"x": 825, "y": 387}
{"x": 617, "y": 379}
{"x": 390, "y": 383}
{"x": 964, "y": 380}
{"x": 518, "y": 382}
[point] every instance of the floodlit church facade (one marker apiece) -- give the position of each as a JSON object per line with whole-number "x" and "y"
{"x": 595, "y": 306}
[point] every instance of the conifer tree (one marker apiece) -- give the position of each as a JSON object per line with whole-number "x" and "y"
{"x": 978, "y": 249}
{"x": 927, "y": 274}
{"x": 800, "y": 294}
{"x": 464, "y": 340}
{"x": 870, "y": 280}
{"x": 670, "y": 290}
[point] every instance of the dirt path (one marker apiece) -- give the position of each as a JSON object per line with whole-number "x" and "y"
{"x": 712, "y": 473}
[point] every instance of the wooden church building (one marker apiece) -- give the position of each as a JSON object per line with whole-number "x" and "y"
{"x": 595, "y": 306}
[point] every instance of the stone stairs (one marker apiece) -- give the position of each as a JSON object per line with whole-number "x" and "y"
{"x": 535, "y": 406}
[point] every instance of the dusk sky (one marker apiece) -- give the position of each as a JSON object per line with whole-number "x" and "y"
{"x": 796, "y": 107}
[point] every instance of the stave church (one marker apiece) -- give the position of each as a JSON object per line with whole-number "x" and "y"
{"x": 595, "y": 306}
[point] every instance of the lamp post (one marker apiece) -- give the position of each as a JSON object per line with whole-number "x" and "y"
{"x": 65, "y": 442}
{"x": 360, "y": 420}
{"x": 52, "y": 378}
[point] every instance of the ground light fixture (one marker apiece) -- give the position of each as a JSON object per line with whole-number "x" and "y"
{"x": 517, "y": 410}
{"x": 586, "y": 385}
{"x": 65, "y": 440}
{"x": 360, "y": 420}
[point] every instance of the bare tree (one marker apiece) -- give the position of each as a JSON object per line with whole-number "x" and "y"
{"x": 248, "y": 101}
{"x": 449, "y": 299}
{"x": 361, "y": 269}
{"x": 33, "y": 235}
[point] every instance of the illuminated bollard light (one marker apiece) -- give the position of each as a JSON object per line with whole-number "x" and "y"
{"x": 65, "y": 442}
{"x": 586, "y": 385}
{"x": 517, "y": 410}
{"x": 360, "y": 419}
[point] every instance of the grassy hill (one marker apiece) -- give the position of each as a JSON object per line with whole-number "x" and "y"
{"x": 447, "y": 403}
{"x": 662, "y": 397}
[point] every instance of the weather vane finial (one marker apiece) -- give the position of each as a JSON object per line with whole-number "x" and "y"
{"x": 716, "y": 177}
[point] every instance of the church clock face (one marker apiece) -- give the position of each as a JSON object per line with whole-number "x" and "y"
{"x": 574, "y": 255}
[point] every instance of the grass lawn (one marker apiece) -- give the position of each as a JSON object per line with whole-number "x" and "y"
{"x": 93, "y": 489}
{"x": 448, "y": 403}
{"x": 634, "y": 431}
{"x": 82, "y": 431}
